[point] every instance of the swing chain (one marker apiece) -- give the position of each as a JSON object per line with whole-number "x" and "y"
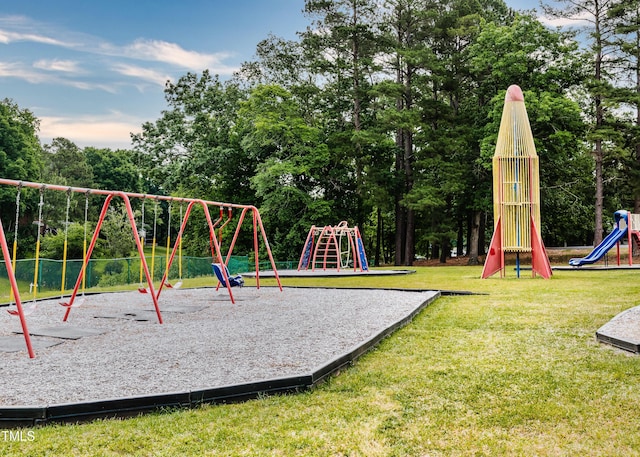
{"x": 180, "y": 229}
{"x": 66, "y": 220}
{"x": 40, "y": 206}
{"x": 15, "y": 228}
{"x": 86, "y": 212}
{"x": 143, "y": 232}
{"x": 155, "y": 214}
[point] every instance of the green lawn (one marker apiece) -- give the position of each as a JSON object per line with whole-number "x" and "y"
{"x": 513, "y": 372}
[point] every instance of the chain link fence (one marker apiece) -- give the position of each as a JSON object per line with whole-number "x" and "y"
{"x": 124, "y": 271}
{"x": 114, "y": 272}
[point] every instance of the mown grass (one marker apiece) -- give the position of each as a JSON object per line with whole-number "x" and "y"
{"x": 513, "y": 372}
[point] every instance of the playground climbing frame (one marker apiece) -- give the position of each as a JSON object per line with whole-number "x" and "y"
{"x": 333, "y": 247}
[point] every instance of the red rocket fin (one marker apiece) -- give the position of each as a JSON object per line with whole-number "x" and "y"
{"x": 494, "y": 261}
{"x": 539, "y": 259}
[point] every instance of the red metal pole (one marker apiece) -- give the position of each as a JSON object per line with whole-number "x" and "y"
{"x": 233, "y": 241}
{"x": 136, "y": 237}
{"x": 217, "y": 255}
{"x": 326, "y": 229}
{"x": 317, "y": 249}
{"x": 176, "y": 244}
{"x": 235, "y": 235}
{"x": 337, "y": 247}
{"x": 34, "y": 185}
{"x": 266, "y": 243}
{"x": 352, "y": 235}
{"x": 255, "y": 247}
{"x": 94, "y": 238}
{"x": 16, "y": 293}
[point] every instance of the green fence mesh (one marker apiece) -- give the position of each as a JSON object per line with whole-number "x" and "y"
{"x": 113, "y": 272}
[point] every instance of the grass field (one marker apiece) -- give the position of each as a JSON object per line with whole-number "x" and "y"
{"x": 514, "y": 371}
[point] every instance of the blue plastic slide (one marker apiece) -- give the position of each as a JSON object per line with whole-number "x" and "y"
{"x": 618, "y": 233}
{"x": 364, "y": 265}
{"x": 307, "y": 254}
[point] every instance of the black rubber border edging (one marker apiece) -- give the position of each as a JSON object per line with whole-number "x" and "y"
{"x": 618, "y": 343}
{"x": 13, "y": 417}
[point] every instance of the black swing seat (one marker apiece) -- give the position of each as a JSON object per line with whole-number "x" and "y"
{"x": 234, "y": 281}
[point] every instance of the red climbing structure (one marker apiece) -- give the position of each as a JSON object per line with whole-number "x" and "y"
{"x": 333, "y": 248}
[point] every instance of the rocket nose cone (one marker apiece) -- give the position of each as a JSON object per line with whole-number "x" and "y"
{"x": 514, "y": 94}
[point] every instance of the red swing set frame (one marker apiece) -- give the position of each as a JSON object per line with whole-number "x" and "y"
{"x": 216, "y": 254}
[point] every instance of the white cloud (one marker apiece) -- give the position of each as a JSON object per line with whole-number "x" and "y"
{"x": 172, "y": 54}
{"x": 110, "y": 130}
{"x": 83, "y": 85}
{"x": 146, "y": 74}
{"x": 162, "y": 51}
{"x": 7, "y": 37}
{"x": 15, "y": 28}
{"x": 20, "y": 28}
{"x": 18, "y": 70}
{"x": 62, "y": 58}
{"x": 583, "y": 19}
{"x": 65, "y": 66}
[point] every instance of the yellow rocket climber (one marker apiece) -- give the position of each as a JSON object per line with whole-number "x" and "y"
{"x": 516, "y": 192}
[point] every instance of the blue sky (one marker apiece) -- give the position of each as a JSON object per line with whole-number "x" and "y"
{"x": 94, "y": 71}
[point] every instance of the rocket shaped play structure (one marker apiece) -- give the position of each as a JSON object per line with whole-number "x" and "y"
{"x": 516, "y": 192}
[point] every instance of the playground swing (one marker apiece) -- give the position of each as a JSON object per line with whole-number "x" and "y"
{"x": 236, "y": 280}
{"x": 31, "y": 308}
{"x": 78, "y": 302}
{"x": 15, "y": 238}
{"x": 229, "y": 216}
{"x": 213, "y": 226}
{"x": 143, "y": 289}
{"x": 153, "y": 242}
{"x": 142, "y": 231}
{"x": 166, "y": 268}
{"x": 212, "y": 233}
{"x": 34, "y": 284}
{"x": 177, "y": 247}
{"x": 178, "y": 284}
{"x": 33, "y": 287}
{"x": 65, "y": 245}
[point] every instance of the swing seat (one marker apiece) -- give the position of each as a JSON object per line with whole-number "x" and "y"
{"x": 76, "y": 303}
{"x": 234, "y": 281}
{"x": 26, "y": 310}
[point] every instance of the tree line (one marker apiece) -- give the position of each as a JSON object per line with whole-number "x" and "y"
{"x": 386, "y": 114}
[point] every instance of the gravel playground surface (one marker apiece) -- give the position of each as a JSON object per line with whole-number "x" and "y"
{"x": 204, "y": 342}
